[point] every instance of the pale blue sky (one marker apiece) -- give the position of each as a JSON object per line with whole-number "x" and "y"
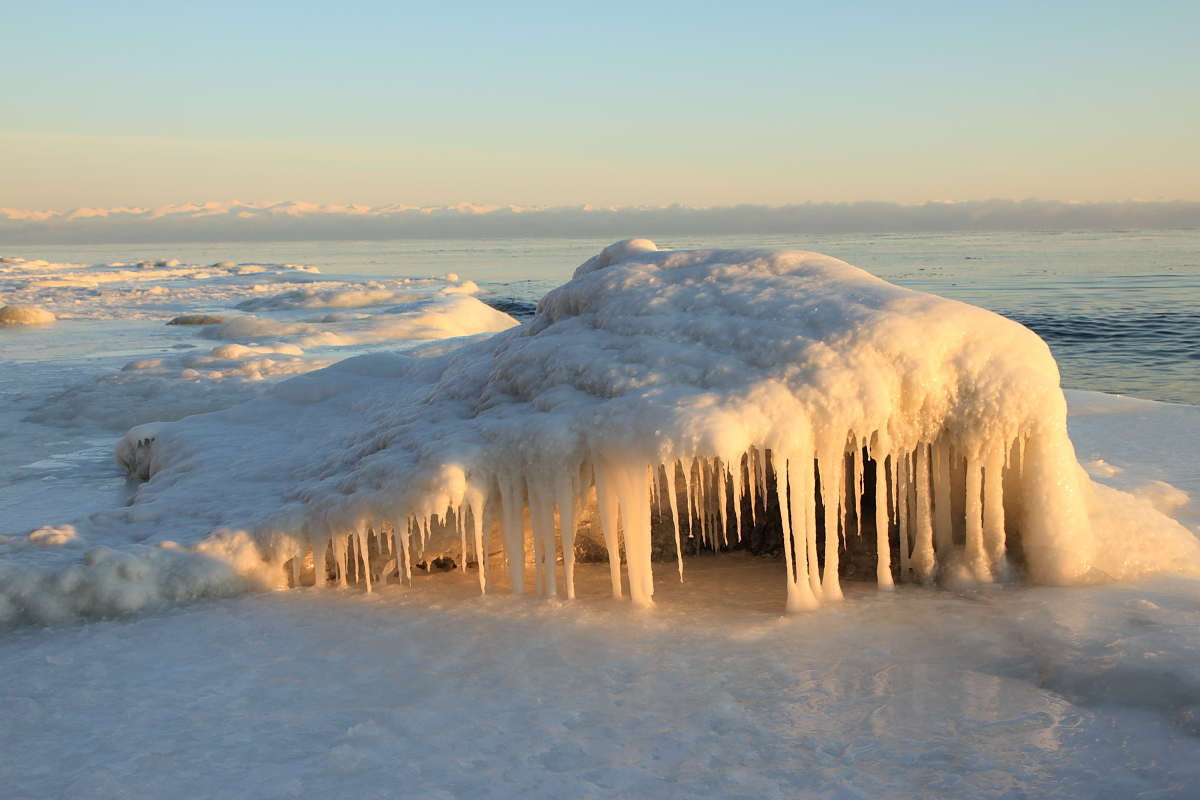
{"x": 603, "y": 103}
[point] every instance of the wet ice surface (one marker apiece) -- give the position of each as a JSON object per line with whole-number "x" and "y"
{"x": 436, "y": 692}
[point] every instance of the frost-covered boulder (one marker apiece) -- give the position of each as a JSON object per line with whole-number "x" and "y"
{"x": 695, "y": 388}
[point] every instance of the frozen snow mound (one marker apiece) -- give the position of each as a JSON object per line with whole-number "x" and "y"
{"x": 24, "y": 315}
{"x": 704, "y": 391}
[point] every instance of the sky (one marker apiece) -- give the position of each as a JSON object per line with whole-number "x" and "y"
{"x": 548, "y": 104}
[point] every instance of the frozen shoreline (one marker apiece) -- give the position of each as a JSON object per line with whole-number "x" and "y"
{"x": 436, "y": 691}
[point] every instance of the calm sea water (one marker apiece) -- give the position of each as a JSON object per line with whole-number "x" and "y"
{"x": 1119, "y": 309}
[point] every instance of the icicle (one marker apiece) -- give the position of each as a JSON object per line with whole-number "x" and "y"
{"x": 859, "y": 485}
{"x": 708, "y": 490}
{"x": 722, "y": 497}
{"x": 900, "y": 487}
{"x": 786, "y": 522}
{"x": 736, "y": 516}
{"x": 412, "y": 535}
{"x": 833, "y": 471}
{"x": 406, "y": 551}
{"x": 566, "y": 498}
{"x": 883, "y": 542}
{"x": 742, "y": 476}
{"x": 708, "y": 498}
{"x": 799, "y": 595}
{"x": 339, "y": 557}
{"x": 633, "y": 492}
{"x": 474, "y": 502}
{"x": 808, "y": 491}
{"x": 993, "y": 509}
{"x": 657, "y": 492}
{"x": 364, "y": 555}
{"x": 760, "y": 479}
{"x": 923, "y": 559}
{"x": 850, "y": 497}
{"x": 689, "y": 483}
{"x": 943, "y": 526}
{"x": 976, "y": 556}
{"x": 670, "y": 471}
{"x": 541, "y": 517}
{"x": 318, "y": 551}
{"x": 462, "y": 536}
{"x": 608, "y": 508}
{"x": 512, "y": 527}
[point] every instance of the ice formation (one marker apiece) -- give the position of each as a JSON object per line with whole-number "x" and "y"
{"x": 707, "y": 389}
{"x": 24, "y": 315}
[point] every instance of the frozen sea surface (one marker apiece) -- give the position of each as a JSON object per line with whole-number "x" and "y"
{"x": 435, "y": 691}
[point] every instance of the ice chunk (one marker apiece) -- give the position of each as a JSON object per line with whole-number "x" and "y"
{"x": 24, "y": 315}
{"x": 199, "y": 319}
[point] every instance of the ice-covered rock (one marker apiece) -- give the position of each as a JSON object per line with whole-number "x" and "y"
{"x": 695, "y": 387}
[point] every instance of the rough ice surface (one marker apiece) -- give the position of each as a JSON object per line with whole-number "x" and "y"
{"x": 113, "y": 362}
{"x": 708, "y": 391}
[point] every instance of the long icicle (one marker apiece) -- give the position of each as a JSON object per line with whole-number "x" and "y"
{"x": 800, "y": 596}
{"x": 512, "y": 527}
{"x": 900, "y": 487}
{"x": 993, "y": 509}
{"x": 722, "y": 498}
{"x": 943, "y": 526}
{"x": 607, "y": 506}
{"x": 883, "y": 540}
{"x": 632, "y": 485}
{"x": 923, "y": 559}
{"x": 976, "y": 555}
{"x": 566, "y": 499}
{"x": 808, "y": 491}
{"x": 832, "y": 491}
{"x": 675, "y": 514}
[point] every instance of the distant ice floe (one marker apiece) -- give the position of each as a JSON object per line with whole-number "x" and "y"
{"x": 277, "y": 341}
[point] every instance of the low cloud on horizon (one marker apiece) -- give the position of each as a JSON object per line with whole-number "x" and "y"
{"x": 298, "y": 221}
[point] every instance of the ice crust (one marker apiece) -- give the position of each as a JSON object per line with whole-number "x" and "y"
{"x": 677, "y": 384}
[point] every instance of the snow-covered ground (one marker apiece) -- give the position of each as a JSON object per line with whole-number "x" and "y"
{"x": 432, "y": 690}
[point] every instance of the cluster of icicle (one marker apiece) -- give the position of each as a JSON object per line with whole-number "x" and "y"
{"x": 912, "y": 509}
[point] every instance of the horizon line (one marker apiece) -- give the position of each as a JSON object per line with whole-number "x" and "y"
{"x": 297, "y": 220}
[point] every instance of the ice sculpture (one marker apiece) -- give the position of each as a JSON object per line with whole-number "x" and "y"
{"x": 696, "y": 388}
{"x": 707, "y": 391}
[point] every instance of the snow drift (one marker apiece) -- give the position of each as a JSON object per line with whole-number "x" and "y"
{"x": 707, "y": 391}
